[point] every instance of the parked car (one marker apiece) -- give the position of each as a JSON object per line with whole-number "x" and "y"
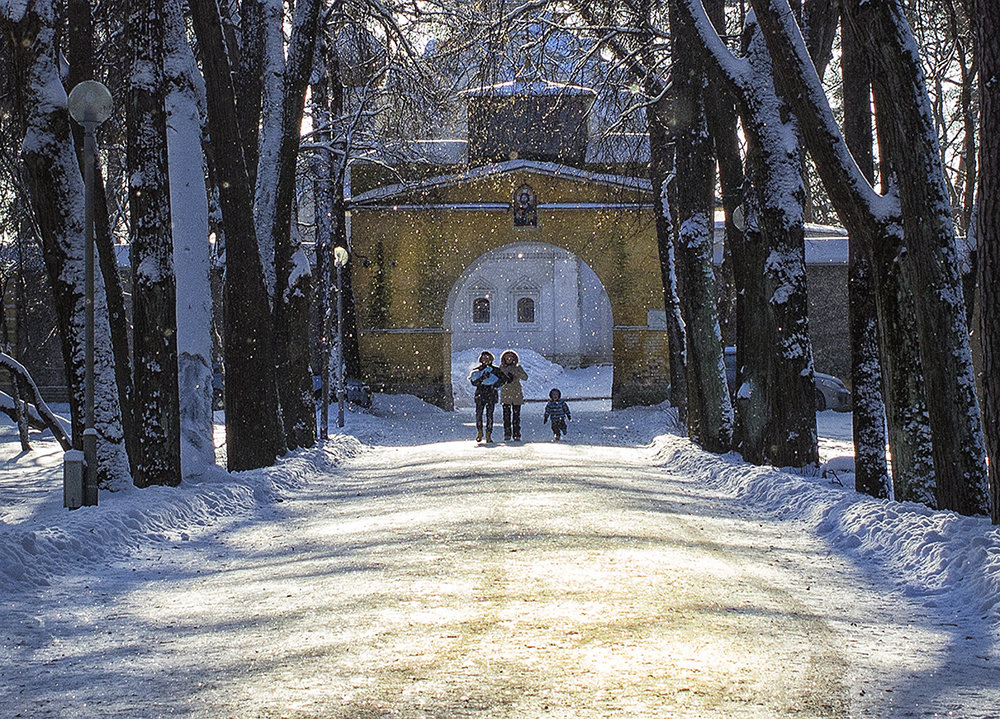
{"x": 831, "y": 392}
{"x": 356, "y": 391}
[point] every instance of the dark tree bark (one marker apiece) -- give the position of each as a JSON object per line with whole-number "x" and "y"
{"x": 928, "y": 265}
{"x": 324, "y": 185}
{"x": 776, "y": 412}
{"x": 986, "y": 20}
{"x": 723, "y": 128}
{"x": 52, "y": 176}
{"x": 154, "y": 309}
{"x": 931, "y": 260}
{"x": 254, "y": 436}
{"x": 871, "y": 472}
{"x": 249, "y": 62}
{"x": 660, "y": 170}
{"x": 710, "y": 415}
{"x": 291, "y": 305}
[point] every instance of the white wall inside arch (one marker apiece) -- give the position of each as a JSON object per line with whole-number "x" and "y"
{"x": 572, "y": 319}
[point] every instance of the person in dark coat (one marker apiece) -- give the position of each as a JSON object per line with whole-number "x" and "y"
{"x": 486, "y": 379}
{"x": 557, "y": 409}
{"x": 511, "y": 394}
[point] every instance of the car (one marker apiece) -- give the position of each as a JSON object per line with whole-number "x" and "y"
{"x": 355, "y": 391}
{"x": 831, "y": 392}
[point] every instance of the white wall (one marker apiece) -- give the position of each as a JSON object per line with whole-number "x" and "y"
{"x": 573, "y": 324}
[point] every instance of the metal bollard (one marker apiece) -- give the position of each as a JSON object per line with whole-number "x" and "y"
{"x": 73, "y": 479}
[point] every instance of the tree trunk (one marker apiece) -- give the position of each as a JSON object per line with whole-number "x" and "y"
{"x": 865, "y": 214}
{"x": 254, "y": 436}
{"x": 291, "y": 306}
{"x": 52, "y": 174}
{"x": 321, "y": 165}
{"x": 986, "y": 20}
{"x": 723, "y": 128}
{"x": 153, "y": 284}
{"x": 710, "y": 415}
{"x": 931, "y": 259}
{"x": 871, "y": 472}
{"x": 250, "y": 80}
{"x": 190, "y": 247}
{"x": 81, "y": 47}
{"x": 660, "y": 170}
{"x": 776, "y": 411}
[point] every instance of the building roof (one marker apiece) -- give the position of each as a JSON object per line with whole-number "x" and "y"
{"x": 550, "y": 169}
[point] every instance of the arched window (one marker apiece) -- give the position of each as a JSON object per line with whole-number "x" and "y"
{"x": 481, "y": 310}
{"x": 526, "y": 310}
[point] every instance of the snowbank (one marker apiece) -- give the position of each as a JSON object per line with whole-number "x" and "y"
{"x": 944, "y": 559}
{"x": 52, "y": 541}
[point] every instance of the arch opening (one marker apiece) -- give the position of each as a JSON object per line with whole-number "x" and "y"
{"x": 542, "y": 301}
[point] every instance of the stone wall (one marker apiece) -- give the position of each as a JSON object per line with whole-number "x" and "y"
{"x": 416, "y": 362}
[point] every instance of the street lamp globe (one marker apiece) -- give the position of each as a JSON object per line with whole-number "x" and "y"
{"x": 90, "y": 103}
{"x": 339, "y": 256}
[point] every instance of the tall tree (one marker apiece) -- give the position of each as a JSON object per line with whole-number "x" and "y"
{"x": 254, "y": 435}
{"x": 185, "y": 107}
{"x": 52, "y": 175}
{"x": 776, "y": 412}
{"x": 291, "y": 268}
{"x": 710, "y": 415}
{"x": 81, "y": 55}
{"x": 871, "y": 472}
{"x": 154, "y": 309}
{"x": 932, "y": 261}
{"x": 986, "y": 19}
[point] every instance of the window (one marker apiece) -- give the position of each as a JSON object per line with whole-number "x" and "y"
{"x": 481, "y": 310}
{"x": 526, "y": 310}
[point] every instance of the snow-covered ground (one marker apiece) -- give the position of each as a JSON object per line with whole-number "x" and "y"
{"x": 400, "y": 570}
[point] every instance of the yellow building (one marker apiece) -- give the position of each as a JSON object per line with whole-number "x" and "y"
{"x": 563, "y": 234}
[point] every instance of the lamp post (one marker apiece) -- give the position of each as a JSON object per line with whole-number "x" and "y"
{"x": 90, "y": 104}
{"x": 340, "y": 258}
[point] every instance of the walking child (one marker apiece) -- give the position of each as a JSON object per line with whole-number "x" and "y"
{"x": 485, "y": 378}
{"x": 558, "y": 410}
{"x": 511, "y": 394}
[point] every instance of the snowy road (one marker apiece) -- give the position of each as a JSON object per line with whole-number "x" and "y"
{"x": 438, "y": 578}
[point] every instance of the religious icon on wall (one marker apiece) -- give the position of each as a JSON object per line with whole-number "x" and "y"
{"x": 525, "y": 207}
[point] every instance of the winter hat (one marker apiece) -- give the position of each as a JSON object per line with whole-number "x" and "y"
{"x": 507, "y": 354}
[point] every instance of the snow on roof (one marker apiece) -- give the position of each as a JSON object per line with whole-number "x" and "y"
{"x": 825, "y": 244}
{"x": 550, "y": 169}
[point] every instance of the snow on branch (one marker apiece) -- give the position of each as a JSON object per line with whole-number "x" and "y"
{"x": 804, "y": 91}
{"x": 736, "y": 70}
{"x": 41, "y": 410}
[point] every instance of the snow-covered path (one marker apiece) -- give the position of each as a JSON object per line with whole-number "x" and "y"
{"x": 430, "y": 577}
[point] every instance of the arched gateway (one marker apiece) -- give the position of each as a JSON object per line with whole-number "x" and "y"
{"x": 414, "y": 243}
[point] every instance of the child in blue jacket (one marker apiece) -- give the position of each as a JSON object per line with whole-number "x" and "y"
{"x": 558, "y": 410}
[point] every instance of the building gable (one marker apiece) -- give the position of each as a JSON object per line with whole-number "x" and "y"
{"x": 493, "y": 186}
